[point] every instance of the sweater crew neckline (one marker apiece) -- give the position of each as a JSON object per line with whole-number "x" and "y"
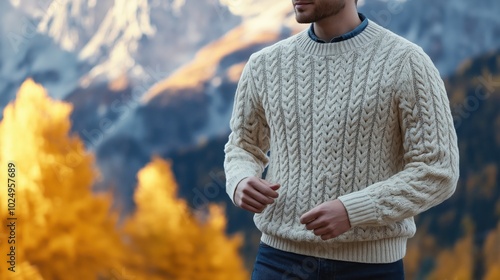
{"x": 306, "y": 44}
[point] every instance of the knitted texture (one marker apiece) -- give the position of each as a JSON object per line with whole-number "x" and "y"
{"x": 366, "y": 121}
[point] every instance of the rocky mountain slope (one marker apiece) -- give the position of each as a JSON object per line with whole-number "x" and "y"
{"x": 70, "y": 44}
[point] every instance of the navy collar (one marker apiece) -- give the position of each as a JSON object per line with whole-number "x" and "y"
{"x": 348, "y": 35}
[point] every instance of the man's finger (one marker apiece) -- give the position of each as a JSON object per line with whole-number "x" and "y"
{"x": 255, "y": 194}
{"x": 266, "y": 189}
{"x": 317, "y": 223}
{"x": 251, "y": 208}
{"x": 275, "y": 187}
{"x": 252, "y": 202}
{"x": 309, "y": 216}
{"x": 269, "y": 184}
{"x": 321, "y": 231}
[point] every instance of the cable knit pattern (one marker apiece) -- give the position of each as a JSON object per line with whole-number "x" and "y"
{"x": 365, "y": 121}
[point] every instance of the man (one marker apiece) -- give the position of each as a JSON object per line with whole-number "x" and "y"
{"x": 354, "y": 125}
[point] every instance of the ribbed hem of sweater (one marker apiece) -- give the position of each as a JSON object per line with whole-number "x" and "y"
{"x": 376, "y": 251}
{"x": 307, "y": 45}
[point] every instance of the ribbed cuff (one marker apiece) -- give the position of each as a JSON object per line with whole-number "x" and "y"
{"x": 360, "y": 208}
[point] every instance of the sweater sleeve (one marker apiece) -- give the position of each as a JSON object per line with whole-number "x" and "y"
{"x": 248, "y": 144}
{"x": 430, "y": 172}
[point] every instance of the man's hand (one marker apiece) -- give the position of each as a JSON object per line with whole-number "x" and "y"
{"x": 254, "y": 194}
{"x": 327, "y": 220}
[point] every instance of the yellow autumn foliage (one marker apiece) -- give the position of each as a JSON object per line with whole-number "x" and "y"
{"x": 457, "y": 263}
{"x": 492, "y": 255}
{"x": 64, "y": 230}
{"x": 169, "y": 237}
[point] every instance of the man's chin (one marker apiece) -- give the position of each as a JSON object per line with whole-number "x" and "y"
{"x": 302, "y": 19}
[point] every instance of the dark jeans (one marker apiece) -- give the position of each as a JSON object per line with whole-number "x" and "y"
{"x": 274, "y": 264}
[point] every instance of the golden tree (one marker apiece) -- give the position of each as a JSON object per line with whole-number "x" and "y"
{"x": 458, "y": 262}
{"x": 63, "y": 230}
{"x": 492, "y": 254}
{"x": 168, "y": 238}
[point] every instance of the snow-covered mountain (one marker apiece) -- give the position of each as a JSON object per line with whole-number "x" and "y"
{"x": 111, "y": 37}
{"x": 108, "y": 40}
{"x": 27, "y": 53}
{"x": 122, "y": 36}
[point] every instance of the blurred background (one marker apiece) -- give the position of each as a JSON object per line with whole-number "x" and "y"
{"x": 114, "y": 114}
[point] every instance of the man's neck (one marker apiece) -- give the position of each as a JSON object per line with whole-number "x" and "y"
{"x": 339, "y": 24}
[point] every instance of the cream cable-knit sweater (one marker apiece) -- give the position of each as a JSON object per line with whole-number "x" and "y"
{"x": 365, "y": 120}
